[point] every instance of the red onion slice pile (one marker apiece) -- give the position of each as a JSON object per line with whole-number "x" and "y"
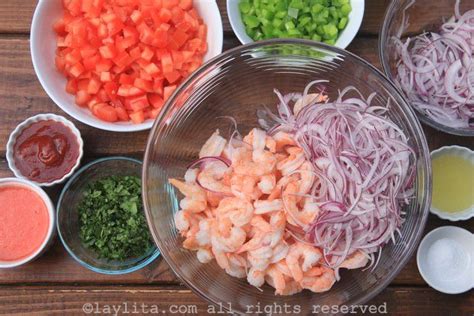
{"x": 364, "y": 169}
{"x": 436, "y": 71}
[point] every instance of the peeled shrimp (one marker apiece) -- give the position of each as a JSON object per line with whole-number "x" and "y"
{"x": 319, "y": 284}
{"x": 301, "y": 257}
{"x": 214, "y": 146}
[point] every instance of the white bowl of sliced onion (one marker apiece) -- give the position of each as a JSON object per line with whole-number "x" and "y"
{"x": 429, "y": 57}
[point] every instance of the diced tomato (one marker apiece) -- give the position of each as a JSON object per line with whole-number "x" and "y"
{"x": 139, "y": 103}
{"x": 158, "y": 86}
{"x": 169, "y": 4}
{"x": 154, "y": 113}
{"x": 172, "y": 76}
{"x": 82, "y": 97}
{"x": 147, "y": 53}
{"x": 165, "y": 14}
{"x": 71, "y": 86}
{"x": 105, "y": 112}
{"x": 90, "y": 63}
{"x": 167, "y": 63}
{"x": 108, "y": 51}
{"x": 76, "y": 70}
{"x": 122, "y": 114}
{"x": 60, "y": 63}
{"x": 124, "y": 58}
{"x": 129, "y": 91}
{"x": 143, "y": 84}
{"x": 168, "y": 91}
{"x": 177, "y": 15}
{"x": 111, "y": 88}
{"x": 156, "y": 100}
{"x": 186, "y": 4}
{"x": 126, "y": 79}
{"x": 137, "y": 117}
{"x": 94, "y": 86}
{"x": 152, "y": 69}
{"x": 105, "y": 76}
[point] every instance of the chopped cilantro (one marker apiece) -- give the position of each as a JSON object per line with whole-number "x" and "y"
{"x": 111, "y": 218}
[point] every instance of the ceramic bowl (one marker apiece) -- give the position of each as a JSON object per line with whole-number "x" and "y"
{"x": 37, "y": 118}
{"x": 344, "y": 39}
{"x": 43, "y": 52}
{"x": 52, "y": 220}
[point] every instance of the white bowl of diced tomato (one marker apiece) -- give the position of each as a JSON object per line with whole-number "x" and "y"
{"x": 113, "y": 64}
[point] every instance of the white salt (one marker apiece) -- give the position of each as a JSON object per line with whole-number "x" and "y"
{"x": 447, "y": 259}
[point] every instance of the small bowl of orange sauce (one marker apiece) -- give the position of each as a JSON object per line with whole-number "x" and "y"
{"x": 27, "y": 222}
{"x": 45, "y": 149}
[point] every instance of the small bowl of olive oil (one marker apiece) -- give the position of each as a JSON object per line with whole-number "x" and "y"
{"x": 453, "y": 183}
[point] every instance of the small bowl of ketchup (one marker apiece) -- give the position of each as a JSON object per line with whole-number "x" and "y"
{"x": 27, "y": 222}
{"x": 45, "y": 149}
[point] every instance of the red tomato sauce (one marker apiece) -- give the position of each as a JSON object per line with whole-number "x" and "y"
{"x": 24, "y": 222}
{"x": 46, "y": 151}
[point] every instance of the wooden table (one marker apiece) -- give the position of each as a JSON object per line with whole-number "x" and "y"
{"x": 56, "y": 284}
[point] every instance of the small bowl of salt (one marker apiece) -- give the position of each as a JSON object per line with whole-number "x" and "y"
{"x": 446, "y": 259}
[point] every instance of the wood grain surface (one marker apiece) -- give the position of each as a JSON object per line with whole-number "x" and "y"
{"x": 56, "y": 285}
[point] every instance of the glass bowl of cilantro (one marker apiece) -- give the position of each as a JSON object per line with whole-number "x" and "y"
{"x": 101, "y": 221}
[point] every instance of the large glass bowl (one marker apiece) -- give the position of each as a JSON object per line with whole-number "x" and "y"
{"x": 422, "y": 15}
{"x": 237, "y": 83}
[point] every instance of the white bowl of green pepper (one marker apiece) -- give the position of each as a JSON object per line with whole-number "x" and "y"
{"x": 334, "y": 22}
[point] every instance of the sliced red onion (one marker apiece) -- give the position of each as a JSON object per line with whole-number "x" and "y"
{"x": 201, "y": 162}
{"x": 363, "y": 165}
{"x": 436, "y": 70}
{"x": 207, "y": 159}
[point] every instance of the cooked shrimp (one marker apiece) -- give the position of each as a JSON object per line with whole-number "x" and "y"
{"x": 193, "y": 205}
{"x": 308, "y": 99}
{"x": 291, "y": 287}
{"x": 355, "y": 261}
{"x": 267, "y": 183}
{"x": 297, "y": 216}
{"x": 213, "y": 146}
{"x": 239, "y": 211}
{"x": 238, "y": 214}
{"x": 282, "y": 140}
{"x": 265, "y": 206}
{"x": 225, "y": 236}
{"x": 306, "y": 177}
{"x": 260, "y": 258}
{"x": 181, "y": 221}
{"x": 211, "y": 178}
{"x": 195, "y": 197}
{"x": 319, "y": 284}
{"x": 295, "y": 159}
{"x": 280, "y": 252}
{"x": 237, "y": 266}
{"x": 260, "y": 163}
{"x": 204, "y": 255}
{"x": 191, "y": 175}
{"x": 301, "y": 257}
{"x": 245, "y": 186}
{"x": 275, "y": 278}
{"x": 257, "y": 139}
{"x": 256, "y": 277}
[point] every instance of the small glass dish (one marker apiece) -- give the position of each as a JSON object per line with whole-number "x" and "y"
{"x": 68, "y": 218}
{"x": 468, "y": 155}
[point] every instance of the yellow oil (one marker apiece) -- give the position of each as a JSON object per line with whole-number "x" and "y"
{"x": 453, "y": 183}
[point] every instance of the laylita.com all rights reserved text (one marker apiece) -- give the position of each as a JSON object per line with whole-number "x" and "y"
{"x": 137, "y": 308}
